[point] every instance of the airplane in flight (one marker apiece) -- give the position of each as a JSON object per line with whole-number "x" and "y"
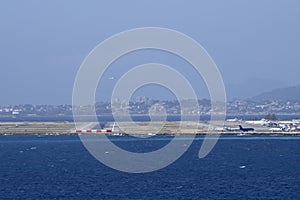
{"x": 112, "y": 78}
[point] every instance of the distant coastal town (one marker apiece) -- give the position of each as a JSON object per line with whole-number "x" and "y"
{"x": 141, "y": 106}
{"x": 244, "y": 117}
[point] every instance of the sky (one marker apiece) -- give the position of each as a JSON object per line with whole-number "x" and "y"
{"x": 255, "y": 44}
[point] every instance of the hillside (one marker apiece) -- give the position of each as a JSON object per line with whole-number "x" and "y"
{"x": 283, "y": 94}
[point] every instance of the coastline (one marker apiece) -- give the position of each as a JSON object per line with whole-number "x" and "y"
{"x": 156, "y": 128}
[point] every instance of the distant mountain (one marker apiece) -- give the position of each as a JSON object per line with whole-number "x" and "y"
{"x": 284, "y": 94}
{"x": 251, "y": 87}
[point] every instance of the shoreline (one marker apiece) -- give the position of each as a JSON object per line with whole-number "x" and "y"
{"x": 168, "y": 128}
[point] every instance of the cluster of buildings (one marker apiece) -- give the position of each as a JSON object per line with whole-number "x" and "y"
{"x": 142, "y": 106}
{"x": 35, "y": 110}
{"x": 262, "y": 108}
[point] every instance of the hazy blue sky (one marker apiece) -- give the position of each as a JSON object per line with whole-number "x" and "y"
{"x": 255, "y": 44}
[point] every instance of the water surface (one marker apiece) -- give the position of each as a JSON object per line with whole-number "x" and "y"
{"x": 59, "y": 167}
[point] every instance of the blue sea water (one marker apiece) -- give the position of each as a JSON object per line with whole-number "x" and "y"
{"x": 59, "y": 167}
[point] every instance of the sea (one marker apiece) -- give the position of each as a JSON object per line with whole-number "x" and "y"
{"x": 239, "y": 167}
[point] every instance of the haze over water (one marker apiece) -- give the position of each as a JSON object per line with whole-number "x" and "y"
{"x": 255, "y": 45}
